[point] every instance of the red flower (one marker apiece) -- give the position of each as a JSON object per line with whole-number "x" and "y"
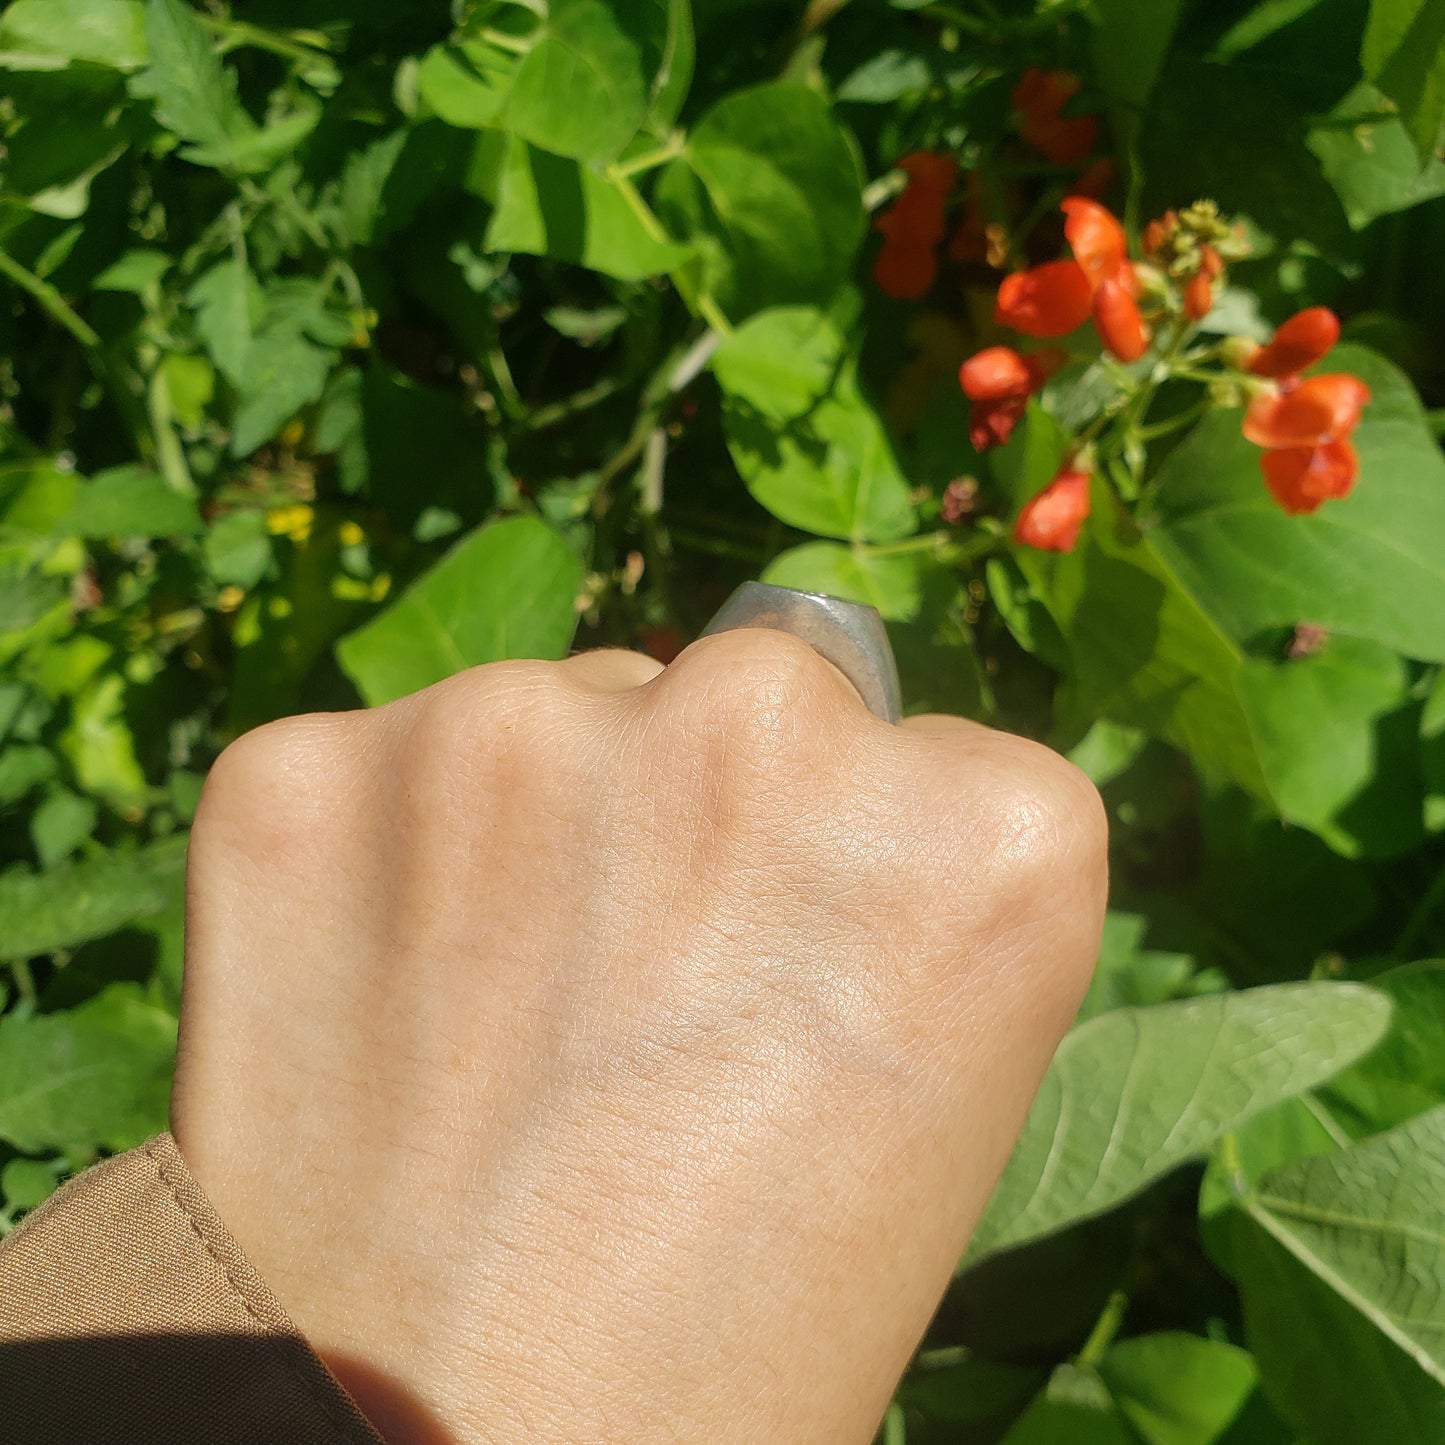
{"x": 1299, "y": 343}
{"x": 1317, "y": 410}
{"x": 999, "y": 381}
{"x": 1048, "y": 300}
{"x": 1300, "y": 478}
{"x": 1039, "y": 99}
{"x": 912, "y": 227}
{"x": 1052, "y": 519}
{"x": 1056, "y": 298}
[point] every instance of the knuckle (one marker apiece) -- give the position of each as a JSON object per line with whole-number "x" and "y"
{"x": 1043, "y": 810}
{"x": 286, "y": 765}
{"x": 755, "y": 686}
{"x": 498, "y": 706}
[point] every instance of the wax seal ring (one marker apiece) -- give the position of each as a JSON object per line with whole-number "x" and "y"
{"x": 849, "y": 634}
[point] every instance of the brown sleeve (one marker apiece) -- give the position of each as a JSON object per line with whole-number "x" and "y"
{"x": 127, "y": 1313}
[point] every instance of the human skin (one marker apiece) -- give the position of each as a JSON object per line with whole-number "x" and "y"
{"x": 586, "y": 1051}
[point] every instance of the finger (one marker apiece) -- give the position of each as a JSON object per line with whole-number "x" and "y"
{"x": 939, "y": 724}
{"x": 611, "y": 669}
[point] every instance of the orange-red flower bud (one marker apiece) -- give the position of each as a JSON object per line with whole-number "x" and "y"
{"x": 1198, "y": 296}
{"x": 1317, "y": 410}
{"x": 1048, "y": 300}
{"x": 904, "y": 269}
{"x": 1211, "y": 263}
{"x": 1300, "y": 342}
{"x": 1039, "y": 99}
{"x": 1052, "y": 519}
{"x": 1116, "y": 315}
{"x": 1301, "y": 478}
{"x": 1158, "y": 232}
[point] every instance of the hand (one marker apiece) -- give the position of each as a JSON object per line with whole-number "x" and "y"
{"x": 599, "y": 1053}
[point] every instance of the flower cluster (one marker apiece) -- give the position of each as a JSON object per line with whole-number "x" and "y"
{"x": 1304, "y": 424}
{"x": 912, "y": 227}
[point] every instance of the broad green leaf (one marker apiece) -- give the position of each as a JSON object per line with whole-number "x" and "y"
{"x": 129, "y": 502}
{"x": 546, "y": 205}
{"x": 89, "y": 898}
{"x": 1142, "y": 651}
{"x": 135, "y": 272}
{"x": 584, "y": 89}
{"x": 283, "y": 372}
{"x": 193, "y": 93}
{"x": 1134, "y": 1093}
{"x": 364, "y": 182}
{"x": 96, "y": 1076}
{"x": 1130, "y": 42}
{"x": 24, "y": 1183}
{"x": 1176, "y": 1388}
{"x": 804, "y": 439}
{"x": 890, "y": 581}
{"x": 1336, "y": 734}
{"x": 503, "y": 591}
{"x": 1368, "y": 157}
{"x": 466, "y": 85}
{"x": 1404, "y": 54}
{"x": 1370, "y": 566}
{"x": 770, "y": 192}
{"x": 1404, "y": 1074}
{"x": 38, "y": 34}
{"x": 1340, "y": 1259}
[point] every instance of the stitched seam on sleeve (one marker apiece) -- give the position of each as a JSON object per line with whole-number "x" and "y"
{"x": 345, "y": 1430}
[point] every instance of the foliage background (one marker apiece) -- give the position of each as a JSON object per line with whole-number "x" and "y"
{"x": 346, "y": 344}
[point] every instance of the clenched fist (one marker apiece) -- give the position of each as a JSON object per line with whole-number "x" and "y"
{"x": 595, "y": 1052}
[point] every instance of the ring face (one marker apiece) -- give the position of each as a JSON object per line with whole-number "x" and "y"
{"x": 850, "y": 635}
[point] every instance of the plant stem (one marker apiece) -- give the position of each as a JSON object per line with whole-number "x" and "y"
{"x": 650, "y": 160}
{"x": 1105, "y": 1328}
{"x": 235, "y": 33}
{"x": 170, "y": 455}
{"x": 50, "y": 301}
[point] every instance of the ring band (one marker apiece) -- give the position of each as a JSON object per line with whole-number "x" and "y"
{"x": 850, "y": 635}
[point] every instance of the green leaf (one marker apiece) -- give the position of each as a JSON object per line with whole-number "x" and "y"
{"x": 1404, "y": 54}
{"x": 1141, "y": 650}
{"x": 1368, "y": 157}
{"x": 466, "y": 85}
{"x": 1128, "y": 975}
{"x": 584, "y": 89}
{"x": 1340, "y": 1260}
{"x": 193, "y": 93}
{"x": 100, "y": 745}
{"x": 89, "y": 898}
{"x": 283, "y": 372}
{"x": 1132, "y": 1094}
{"x": 1370, "y": 566}
{"x": 1258, "y": 24}
{"x": 1129, "y": 44}
{"x": 770, "y": 192}
{"x": 809, "y": 446}
{"x": 134, "y": 273}
{"x": 1404, "y": 1074}
{"x": 891, "y": 582}
{"x": 36, "y": 34}
{"x": 129, "y": 502}
{"x": 1336, "y": 734}
{"x": 95, "y": 1076}
{"x": 23, "y": 766}
{"x": 237, "y": 549}
{"x": 1176, "y": 1388}
{"x": 1074, "y": 1409}
{"x": 226, "y": 301}
{"x": 60, "y": 825}
{"x": 364, "y": 184}
{"x": 546, "y": 205}
{"x": 28, "y": 1182}
{"x": 503, "y": 591}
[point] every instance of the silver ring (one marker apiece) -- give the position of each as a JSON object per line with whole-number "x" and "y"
{"x": 849, "y": 634}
